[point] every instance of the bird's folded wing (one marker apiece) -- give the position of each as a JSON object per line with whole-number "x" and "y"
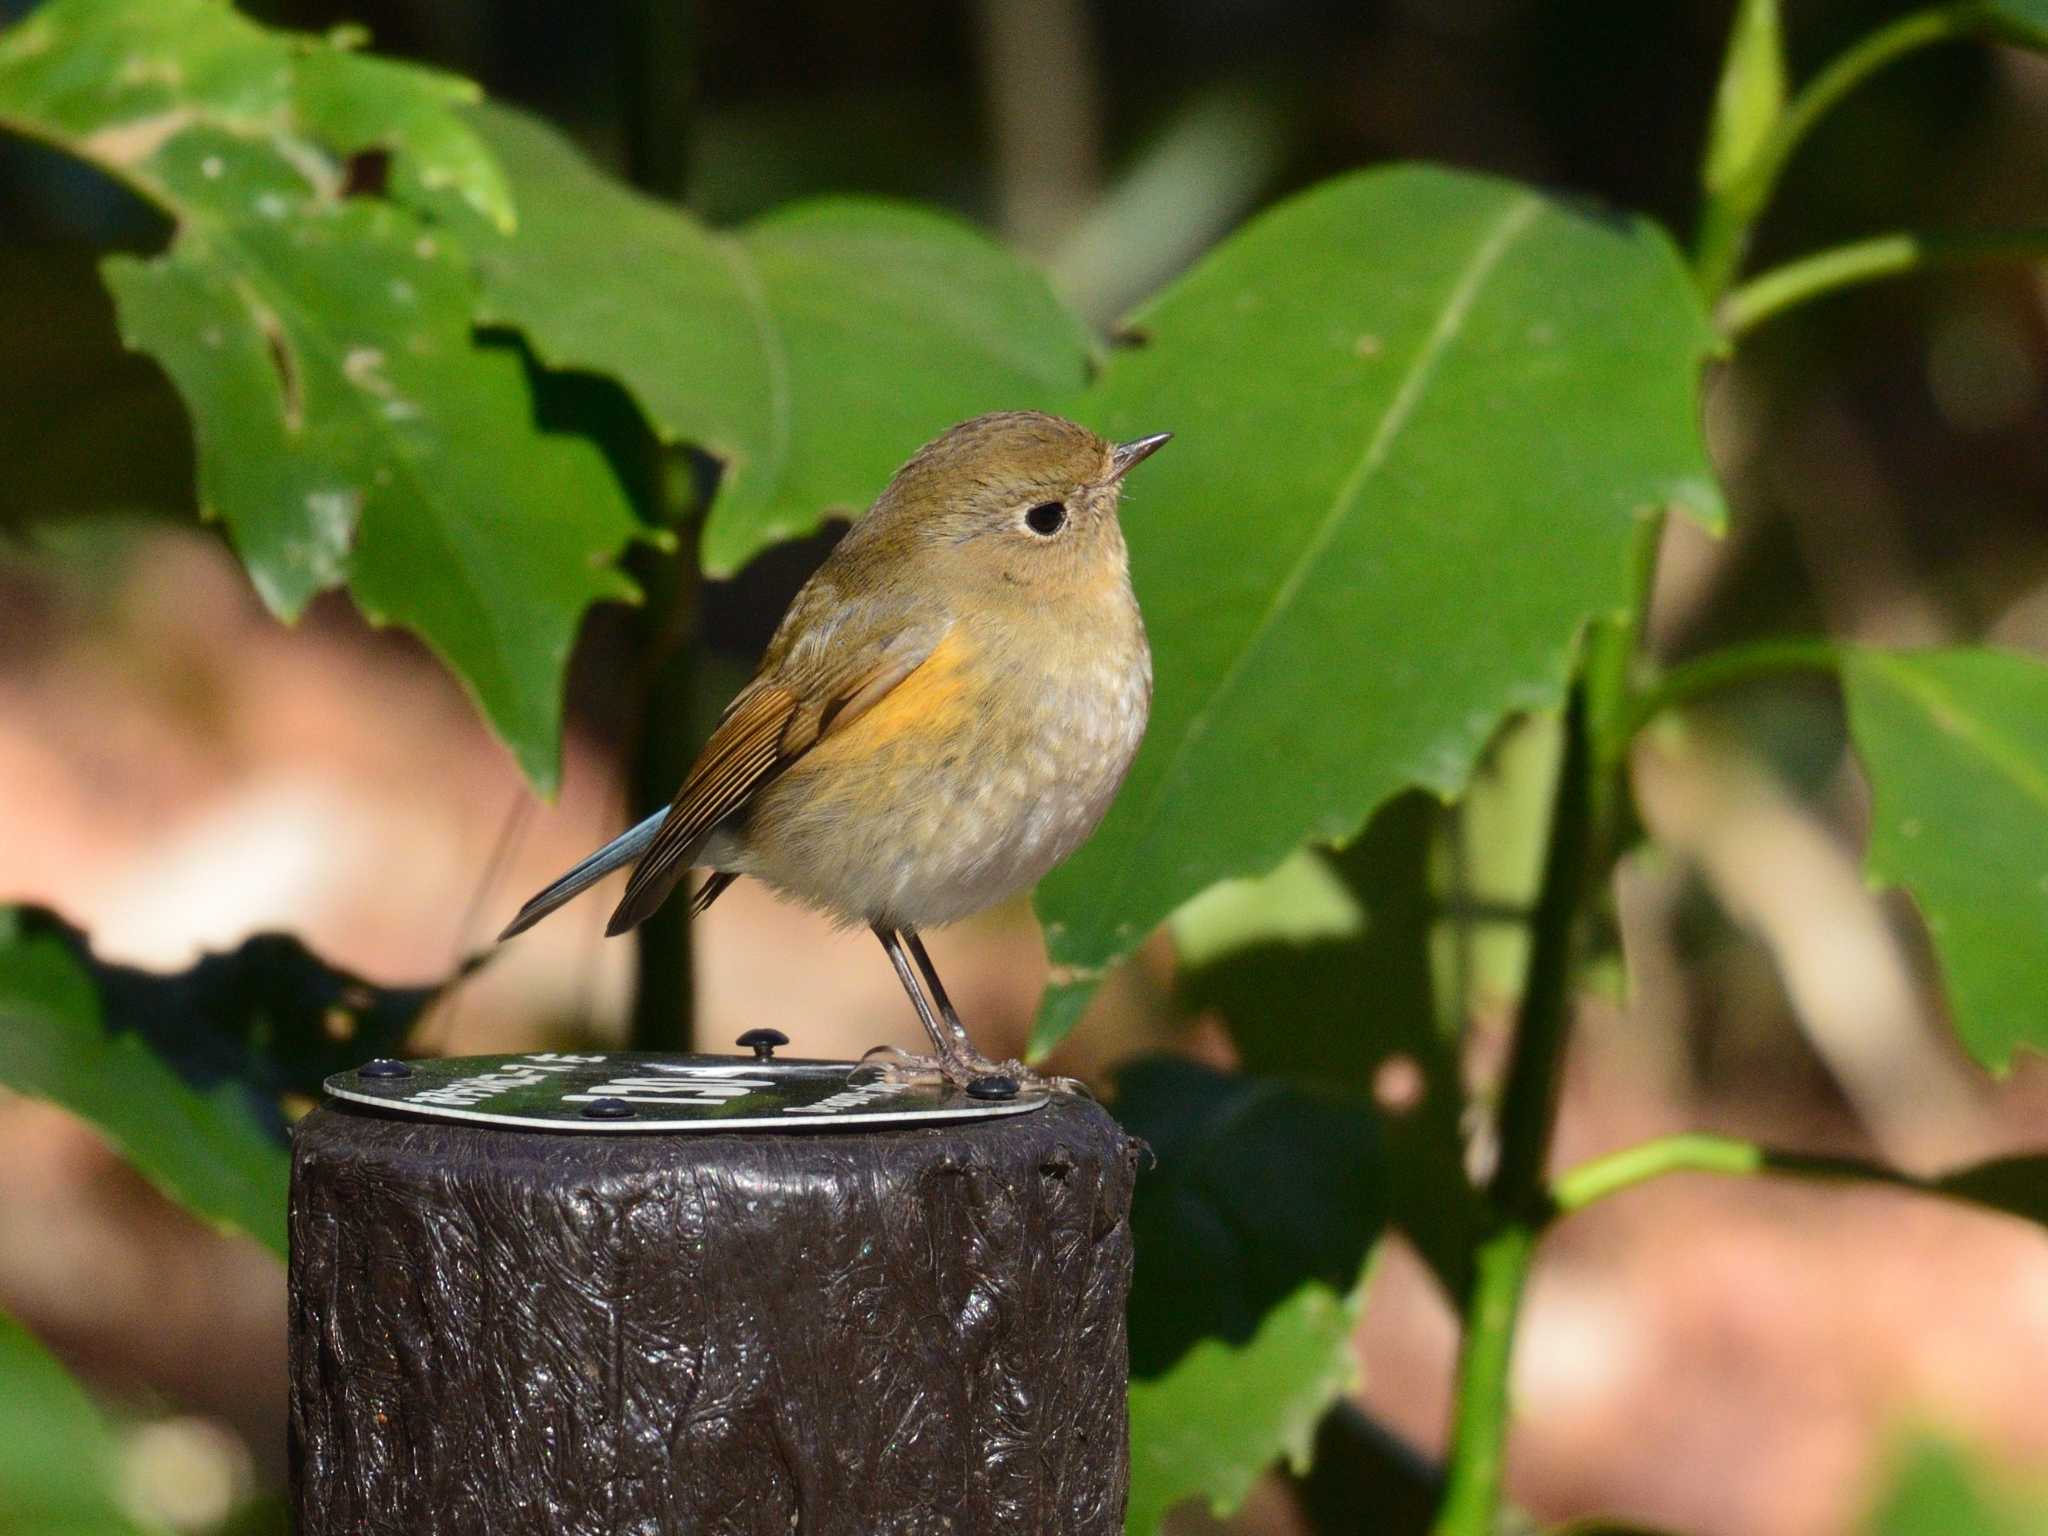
{"x": 774, "y": 721}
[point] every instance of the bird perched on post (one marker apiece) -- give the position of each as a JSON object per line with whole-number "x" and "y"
{"x": 944, "y": 714}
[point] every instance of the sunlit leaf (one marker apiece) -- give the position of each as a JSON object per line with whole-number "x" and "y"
{"x": 1419, "y": 415}
{"x": 352, "y": 431}
{"x": 1224, "y": 1414}
{"x": 1956, "y": 746}
{"x": 116, "y": 79}
{"x": 810, "y": 351}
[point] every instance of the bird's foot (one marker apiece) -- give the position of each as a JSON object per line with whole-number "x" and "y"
{"x": 962, "y": 1069}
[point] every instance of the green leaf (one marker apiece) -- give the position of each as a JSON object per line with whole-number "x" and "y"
{"x": 1751, "y": 95}
{"x": 1229, "y": 1221}
{"x": 2024, "y": 22}
{"x": 1339, "y": 1010}
{"x": 1419, "y": 414}
{"x": 269, "y": 1014}
{"x": 1224, "y": 1414}
{"x": 811, "y": 351}
{"x": 58, "y": 1459}
{"x": 1956, "y": 746}
{"x": 362, "y": 102}
{"x": 210, "y": 1149}
{"x": 113, "y": 80}
{"x": 351, "y": 429}
{"x": 1936, "y": 1490}
{"x": 1299, "y": 902}
{"x": 180, "y": 1072}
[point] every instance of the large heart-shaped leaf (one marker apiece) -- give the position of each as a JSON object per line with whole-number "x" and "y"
{"x": 351, "y": 429}
{"x": 1956, "y": 746}
{"x": 810, "y": 351}
{"x": 1419, "y": 417}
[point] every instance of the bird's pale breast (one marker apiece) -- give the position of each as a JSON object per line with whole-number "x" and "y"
{"x": 966, "y": 783}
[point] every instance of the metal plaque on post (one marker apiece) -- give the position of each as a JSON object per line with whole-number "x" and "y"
{"x": 650, "y": 1091}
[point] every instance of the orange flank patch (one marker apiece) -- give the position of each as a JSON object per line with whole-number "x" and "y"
{"x": 927, "y": 706}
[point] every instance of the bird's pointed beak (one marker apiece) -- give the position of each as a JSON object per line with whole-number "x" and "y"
{"x": 1124, "y": 456}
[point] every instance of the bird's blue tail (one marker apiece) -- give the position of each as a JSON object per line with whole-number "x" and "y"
{"x": 622, "y": 850}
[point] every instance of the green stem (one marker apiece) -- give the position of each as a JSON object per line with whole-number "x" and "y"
{"x": 1517, "y": 1198}
{"x": 1866, "y": 261}
{"x": 1701, "y": 1152}
{"x": 1471, "y": 1502}
{"x": 1692, "y": 1152}
{"x": 1529, "y": 1097}
{"x": 1726, "y": 220}
{"x": 1730, "y": 668}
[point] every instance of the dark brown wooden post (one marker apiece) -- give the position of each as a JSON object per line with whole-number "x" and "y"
{"x": 834, "y": 1333}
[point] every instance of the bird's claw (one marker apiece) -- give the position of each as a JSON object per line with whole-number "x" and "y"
{"x": 894, "y": 1064}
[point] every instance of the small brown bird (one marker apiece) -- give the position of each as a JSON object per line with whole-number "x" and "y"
{"x": 944, "y": 714}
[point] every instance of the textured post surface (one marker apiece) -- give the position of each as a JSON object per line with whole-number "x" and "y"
{"x": 857, "y": 1332}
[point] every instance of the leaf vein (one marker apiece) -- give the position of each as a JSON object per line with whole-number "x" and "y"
{"x": 774, "y": 357}
{"x": 1971, "y": 730}
{"x": 1486, "y": 257}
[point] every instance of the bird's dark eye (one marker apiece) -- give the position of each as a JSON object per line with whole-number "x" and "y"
{"x": 1046, "y": 519}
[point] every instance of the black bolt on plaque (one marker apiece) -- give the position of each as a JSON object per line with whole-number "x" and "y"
{"x": 607, "y": 1109}
{"x": 383, "y": 1066}
{"x": 762, "y": 1042}
{"x": 993, "y": 1089}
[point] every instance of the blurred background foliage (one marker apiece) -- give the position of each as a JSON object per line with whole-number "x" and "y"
{"x": 573, "y": 381}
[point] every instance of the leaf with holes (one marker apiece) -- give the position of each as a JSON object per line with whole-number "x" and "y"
{"x": 351, "y": 429}
{"x": 1956, "y": 746}
{"x": 113, "y": 80}
{"x": 1419, "y": 415}
{"x": 811, "y": 351}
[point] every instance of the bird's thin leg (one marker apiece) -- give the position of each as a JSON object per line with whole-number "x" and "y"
{"x": 931, "y": 979}
{"x": 955, "y": 1059}
{"x": 892, "y": 942}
